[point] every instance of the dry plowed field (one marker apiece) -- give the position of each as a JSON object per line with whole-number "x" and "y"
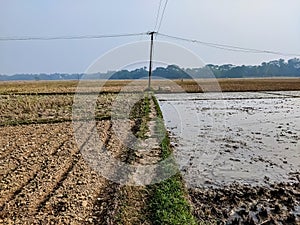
{"x": 44, "y": 178}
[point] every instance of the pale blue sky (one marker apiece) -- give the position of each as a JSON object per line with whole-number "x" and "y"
{"x": 263, "y": 24}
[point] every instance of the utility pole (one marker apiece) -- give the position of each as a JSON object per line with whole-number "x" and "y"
{"x": 151, "y": 56}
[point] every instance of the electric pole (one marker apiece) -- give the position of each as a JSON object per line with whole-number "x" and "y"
{"x": 151, "y": 56}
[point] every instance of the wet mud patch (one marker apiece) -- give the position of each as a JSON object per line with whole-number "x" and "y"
{"x": 246, "y": 204}
{"x": 249, "y": 138}
{"x": 239, "y": 154}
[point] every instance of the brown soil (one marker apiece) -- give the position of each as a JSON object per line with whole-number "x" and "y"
{"x": 45, "y": 180}
{"x": 48, "y": 181}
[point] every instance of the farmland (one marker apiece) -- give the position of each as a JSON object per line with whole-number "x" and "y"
{"x": 26, "y": 109}
{"x": 46, "y": 180}
{"x": 43, "y": 176}
{"x": 52, "y": 87}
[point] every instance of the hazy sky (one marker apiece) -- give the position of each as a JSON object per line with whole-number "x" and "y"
{"x": 263, "y": 24}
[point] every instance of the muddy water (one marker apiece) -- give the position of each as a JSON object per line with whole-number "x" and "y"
{"x": 249, "y": 137}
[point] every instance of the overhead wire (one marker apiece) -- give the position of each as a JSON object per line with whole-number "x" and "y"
{"x": 228, "y": 47}
{"x": 209, "y": 44}
{"x": 70, "y": 37}
{"x": 157, "y": 15}
{"x": 162, "y": 16}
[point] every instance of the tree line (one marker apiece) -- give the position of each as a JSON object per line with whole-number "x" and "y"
{"x": 276, "y": 68}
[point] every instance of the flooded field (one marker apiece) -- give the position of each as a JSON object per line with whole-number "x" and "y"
{"x": 245, "y": 137}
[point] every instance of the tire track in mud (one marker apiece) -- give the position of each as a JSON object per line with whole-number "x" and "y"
{"x": 29, "y": 169}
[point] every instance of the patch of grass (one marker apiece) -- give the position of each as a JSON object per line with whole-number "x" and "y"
{"x": 157, "y": 108}
{"x": 168, "y": 203}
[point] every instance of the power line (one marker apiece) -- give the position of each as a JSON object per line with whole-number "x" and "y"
{"x": 228, "y": 47}
{"x": 162, "y": 16}
{"x": 209, "y": 44}
{"x": 69, "y": 37}
{"x": 158, "y": 14}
